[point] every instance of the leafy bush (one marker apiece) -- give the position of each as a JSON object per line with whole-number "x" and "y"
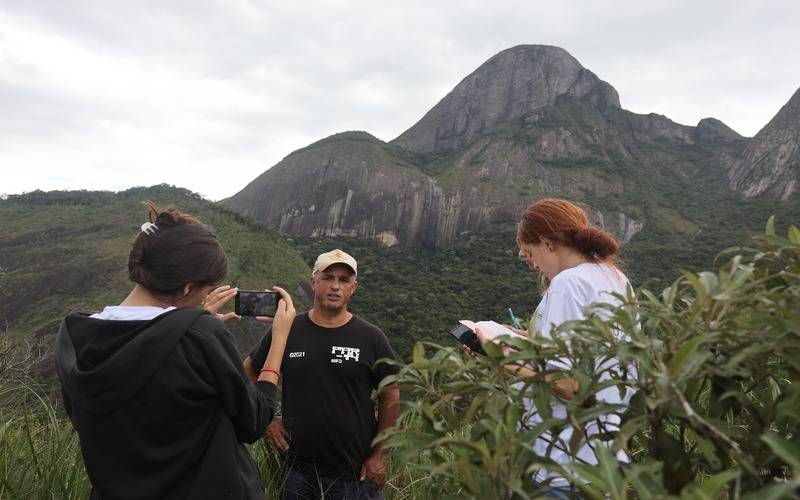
{"x": 716, "y": 411}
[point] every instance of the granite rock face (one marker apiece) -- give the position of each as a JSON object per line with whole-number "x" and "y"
{"x": 508, "y": 86}
{"x": 529, "y": 123}
{"x": 353, "y": 184}
{"x": 770, "y": 165}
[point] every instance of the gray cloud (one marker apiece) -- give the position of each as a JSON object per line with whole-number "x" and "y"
{"x": 132, "y": 93}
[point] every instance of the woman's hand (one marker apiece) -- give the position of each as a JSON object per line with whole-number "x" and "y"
{"x": 486, "y": 337}
{"x": 284, "y": 317}
{"x": 482, "y": 335}
{"x": 518, "y": 331}
{"x": 216, "y": 300}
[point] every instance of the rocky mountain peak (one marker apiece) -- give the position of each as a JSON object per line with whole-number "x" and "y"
{"x": 711, "y": 129}
{"x": 505, "y": 88}
{"x": 770, "y": 164}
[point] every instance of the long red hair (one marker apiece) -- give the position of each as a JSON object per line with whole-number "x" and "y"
{"x": 565, "y": 223}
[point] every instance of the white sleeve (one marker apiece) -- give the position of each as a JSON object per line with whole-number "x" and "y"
{"x": 559, "y": 308}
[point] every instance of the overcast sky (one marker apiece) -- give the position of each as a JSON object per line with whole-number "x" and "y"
{"x": 208, "y": 95}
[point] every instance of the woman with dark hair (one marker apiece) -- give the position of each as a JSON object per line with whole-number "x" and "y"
{"x": 155, "y": 386}
{"x": 578, "y": 263}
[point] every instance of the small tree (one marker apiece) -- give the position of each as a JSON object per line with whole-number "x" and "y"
{"x": 712, "y": 360}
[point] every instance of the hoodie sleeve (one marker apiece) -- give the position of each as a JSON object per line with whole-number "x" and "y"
{"x": 249, "y": 406}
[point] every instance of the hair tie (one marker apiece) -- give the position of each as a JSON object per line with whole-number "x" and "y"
{"x": 149, "y": 228}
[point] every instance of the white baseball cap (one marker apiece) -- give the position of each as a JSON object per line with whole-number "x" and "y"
{"x": 326, "y": 260}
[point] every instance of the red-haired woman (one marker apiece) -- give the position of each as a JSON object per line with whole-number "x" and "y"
{"x": 578, "y": 261}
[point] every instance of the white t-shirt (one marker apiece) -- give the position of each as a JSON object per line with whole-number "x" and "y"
{"x": 568, "y": 298}
{"x": 131, "y": 313}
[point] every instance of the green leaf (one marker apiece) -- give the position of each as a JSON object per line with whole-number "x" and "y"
{"x": 708, "y": 450}
{"x": 789, "y": 452}
{"x": 610, "y": 471}
{"x": 646, "y": 480}
{"x": 418, "y": 355}
{"x": 770, "y": 229}
{"x": 684, "y": 354}
{"x": 592, "y": 474}
{"x": 713, "y": 486}
{"x": 709, "y": 281}
{"x": 699, "y": 286}
{"x": 541, "y": 398}
{"x": 794, "y": 235}
{"x": 779, "y": 491}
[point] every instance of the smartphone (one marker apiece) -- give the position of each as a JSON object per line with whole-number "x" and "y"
{"x": 251, "y": 303}
{"x": 466, "y": 336}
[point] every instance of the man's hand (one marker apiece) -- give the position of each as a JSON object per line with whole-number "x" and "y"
{"x": 277, "y": 435}
{"x": 375, "y": 469}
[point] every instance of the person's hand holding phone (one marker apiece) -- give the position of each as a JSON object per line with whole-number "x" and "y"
{"x": 284, "y": 317}
{"x": 216, "y": 300}
{"x": 485, "y": 337}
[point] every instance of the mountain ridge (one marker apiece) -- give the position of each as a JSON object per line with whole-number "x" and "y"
{"x": 506, "y": 87}
{"x": 569, "y": 137}
{"x": 770, "y": 165}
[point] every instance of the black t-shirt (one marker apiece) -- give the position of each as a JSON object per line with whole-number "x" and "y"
{"x": 328, "y": 376}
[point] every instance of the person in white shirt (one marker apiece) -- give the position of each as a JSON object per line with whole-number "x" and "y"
{"x": 578, "y": 263}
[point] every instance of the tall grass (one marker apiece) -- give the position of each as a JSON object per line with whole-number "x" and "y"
{"x": 40, "y": 457}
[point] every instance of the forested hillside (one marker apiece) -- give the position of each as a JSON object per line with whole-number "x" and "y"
{"x": 68, "y": 250}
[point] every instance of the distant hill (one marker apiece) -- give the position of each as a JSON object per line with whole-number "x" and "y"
{"x": 68, "y": 250}
{"x": 530, "y": 122}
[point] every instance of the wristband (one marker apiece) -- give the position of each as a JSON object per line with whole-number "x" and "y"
{"x": 270, "y": 370}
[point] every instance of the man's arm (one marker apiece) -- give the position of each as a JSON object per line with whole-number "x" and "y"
{"x": 388, "y": 411}
{"x": 375, "y": 468}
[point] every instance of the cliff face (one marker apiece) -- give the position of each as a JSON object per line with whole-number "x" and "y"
{"x": 352, "y": 184}
{"x": 529, "y": 123}
{"x": 510, "y": 85}
{"x": 770, "y": 164}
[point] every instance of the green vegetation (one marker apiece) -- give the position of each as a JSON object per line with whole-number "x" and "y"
{"x": 69, "y": 250}
{"x": 716, "y": 413}
{"x": 40, "y": 457}
{"x": 416, "y": 294}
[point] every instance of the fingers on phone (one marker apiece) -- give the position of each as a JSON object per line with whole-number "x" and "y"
{"x": 264, "y": 319}
{"x": 285, "y": 297}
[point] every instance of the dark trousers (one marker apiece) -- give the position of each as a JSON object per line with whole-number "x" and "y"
{"x": 304, "y": 483}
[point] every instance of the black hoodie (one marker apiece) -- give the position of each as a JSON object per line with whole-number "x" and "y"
{"x": 162, "y": 407}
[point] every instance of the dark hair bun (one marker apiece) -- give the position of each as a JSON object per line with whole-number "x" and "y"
{"x": 595, "y": 243}
{"x": 170, "y": 217}
{"x": 179, "y": 251}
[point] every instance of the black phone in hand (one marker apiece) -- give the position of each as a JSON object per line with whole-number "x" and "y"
{"x": 252, "y": 303}
{"x": 466, "y": 336}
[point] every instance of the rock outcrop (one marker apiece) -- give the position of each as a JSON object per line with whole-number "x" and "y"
{"x": 770, "y": 165}
{"x": 505, "y": 88}
{"x": 352, "y": 184}
{"x": 529, "y": 123}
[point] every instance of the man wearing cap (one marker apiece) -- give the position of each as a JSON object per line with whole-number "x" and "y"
{"x": 329, "y": 372}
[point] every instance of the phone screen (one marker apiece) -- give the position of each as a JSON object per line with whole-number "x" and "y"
{"x": 249, "y": 303}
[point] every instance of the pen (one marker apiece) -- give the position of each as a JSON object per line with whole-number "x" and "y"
{"x": 514, "y": 320}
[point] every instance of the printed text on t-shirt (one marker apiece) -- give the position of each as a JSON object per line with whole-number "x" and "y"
{"x": 341, "y": 354}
